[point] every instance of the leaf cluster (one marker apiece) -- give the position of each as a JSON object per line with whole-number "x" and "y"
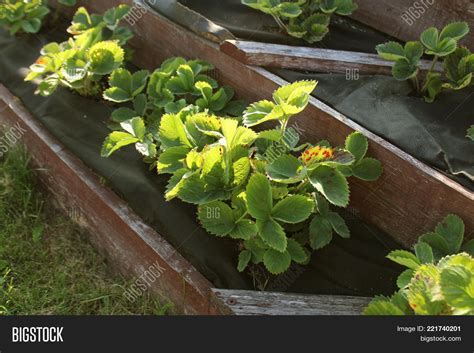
{"x": 306, "y": 19}
{"x": 439, "y": 277}
{"x": 177, "y": 86}
{"x": 279, "y": 210}
{"x": 23, "y": 16}
{"x": 457, "y": 61}
{"x": 90, "y": 55}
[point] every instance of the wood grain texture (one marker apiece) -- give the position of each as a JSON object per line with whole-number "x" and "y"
{"x": 408, "y": 200}
{"x": 407, "y": 19}
{"x": 130, "y": 245}
{"x": 241, "y": 302}
{"x": 311, "y": 59}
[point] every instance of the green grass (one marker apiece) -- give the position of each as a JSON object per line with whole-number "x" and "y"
{"x": 47, "y": 265}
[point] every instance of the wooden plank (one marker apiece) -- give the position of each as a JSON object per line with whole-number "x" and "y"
{"x": 311, "y": 59}
{"x": 130, "y": 245}
{"x": 407, "y": 19}
{"x": 408, "y": 200}
{"x": 241, "y": 302}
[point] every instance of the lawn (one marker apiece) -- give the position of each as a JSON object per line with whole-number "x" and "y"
{"x": 47, "y": 265}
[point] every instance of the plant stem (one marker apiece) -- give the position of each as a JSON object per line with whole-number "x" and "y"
{"x": 425, "y": 85}
{"x": 416, "y": 83}
{"x": 280, "y": 23}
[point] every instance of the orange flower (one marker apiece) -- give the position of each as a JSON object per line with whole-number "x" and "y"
{"x": 317, "y": 154}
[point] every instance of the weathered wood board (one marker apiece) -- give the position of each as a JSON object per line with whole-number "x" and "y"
{"x": 407, "y": 19}
{"x": 311, "y": 59}
{"x": 240, "y": 302}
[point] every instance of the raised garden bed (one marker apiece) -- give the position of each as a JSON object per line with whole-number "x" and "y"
{"x": 396, "y": 205}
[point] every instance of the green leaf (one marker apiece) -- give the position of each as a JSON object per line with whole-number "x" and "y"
{"x": 332, "y": 184}
{"x": 338, "y": 224}
{"x": 452, "y": 230}
{"x": 172, "y": 159}
{"x": 422, "y": 293}
{"x": 244, "y": 229}
{"x": 404, "y": 258}
{"x": 104, "y": 57}
{"x": 122, "y": 114}
{"x": 297, "y": 252}
{"x": 437, "y": 243}
{"x": 115, "y": 141}
{"x": 286, "y": 169}
{"x": 405, "y": 278}
{"x": 244, "y": 259}
{"x": 457, "y": 286}
{"x": 455, "y": 30}
{"x": 391, "y": 51}
{"x": 289, "y": 10}
{"x": 413, "y": 52}
{"x": 260, "y": 112}
{"x": 320, "y": 232}
{"x": 404, "y": 70}
{"x": 276, "y": 262}
{"x": 434, "y": 86}
{"x": 217, "y": 218}
{"x": 272, "y": 234}
{"x": 368, "y": 169}
{"x": 241, "y": 171}
{"x": 382, "y": 307}
{"x": 357, "y": 144}
{"x": 259, "y": 197}
{"x": 172, "y": 131}
{"x": 430, "y": 38}
{"x": 293, "y": 209}
{"x": 135, "y": 127}
{"x": 424, "y": 253}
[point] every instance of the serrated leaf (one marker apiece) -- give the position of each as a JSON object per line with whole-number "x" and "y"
{"x": 332, "y": 184}
{"x": 259, "y": 197}
{"x": 469, "y": 247}
{"x": 382, "y": 307}
{"x": 357, "y": 144}
{"x": 430, "y": 38}
{"x": 297, "y": 252}
{"x": 217, "y": 218}
{"x": 457, "y": 286}
{"x": 423, "y": 291}
{"x": 452, "y": 230}
{"x": 115, "y": 141}
{"x": 455, "y": 30}
{"x": 293, "y": 209}
{"x": 368, "y": 169}
{"x": 320, "y": 232}
{"x": 405, "y": 278}
{"x": 172, "y": 159}
{"x": 272, "y": 234}
{"x": 172, "y": 131}
{"x": 244, "y": 229}
{"x": 404, "y": 258}
{"x": 391, "y": 51}
{"x": 244, "y": 259}
{"x": 413, "y": 51}
{"x": 404, "y": 70}
{"x": 338, "y": 224}
{"x": 424, "y": 253}
{"x": 286, "y": 169}
{"x": 276, "y": 262}
{"x": 437, "y": 243}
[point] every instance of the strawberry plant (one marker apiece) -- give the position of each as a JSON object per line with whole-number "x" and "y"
{"x": 175, "y": 85}
{"x": 306, "y": 19}
{"x": 22, "y": 16}
{"x": 82, "y": 62}
{"x": 277, "y": 210}
{"x": 470, "y": 133}
{"x": 457, "y": 62}
{"x": 439, "y": 277}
